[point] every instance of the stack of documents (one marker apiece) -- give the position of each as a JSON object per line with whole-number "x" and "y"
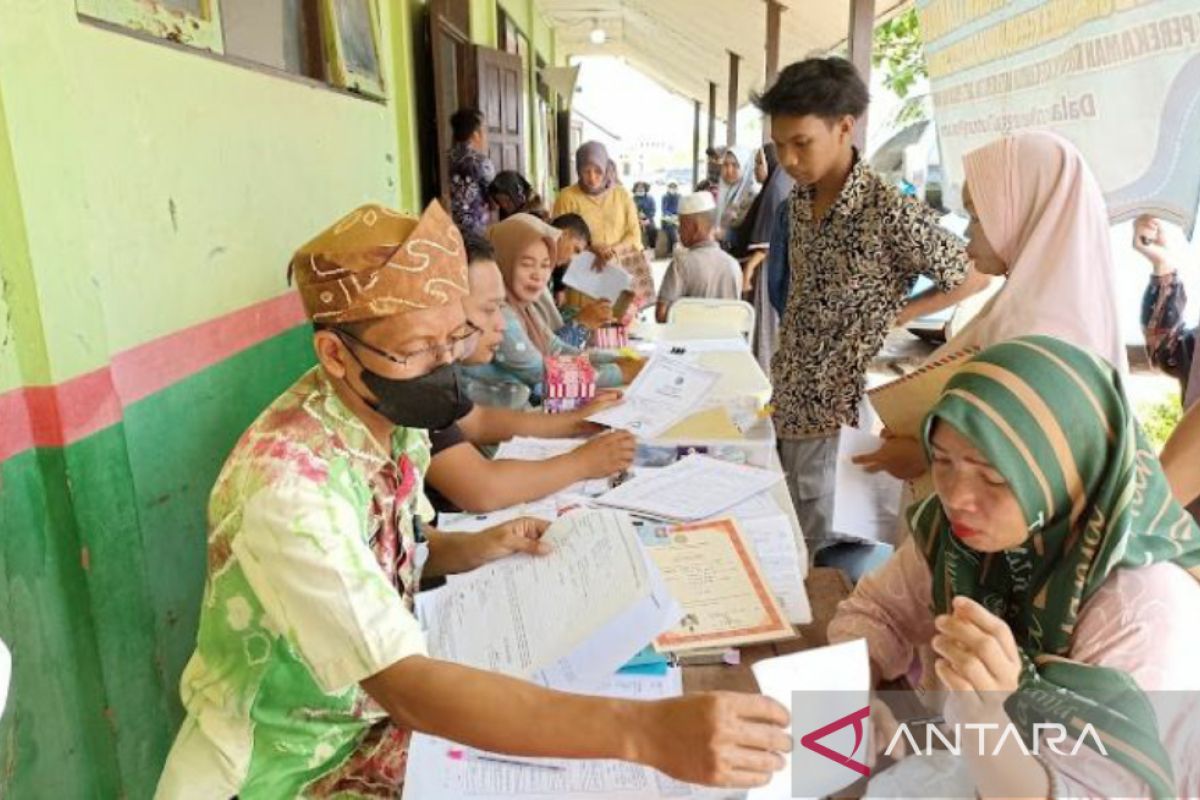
{"x": 693, "y": 488}
{"x": 666, "y": 391}
{"x": 714, "y": 574}
{"x": 569, "y": 618}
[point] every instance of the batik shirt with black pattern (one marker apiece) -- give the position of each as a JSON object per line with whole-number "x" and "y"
{"x": 851, "y": 273}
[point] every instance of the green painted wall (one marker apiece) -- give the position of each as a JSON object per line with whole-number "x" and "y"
{"x": 145, "y": 188}
{"x": 100, "y": 585}
{"x": 22, "y": 354}
{"x": 156, "y": 178}
{"x": 484, "y": 27}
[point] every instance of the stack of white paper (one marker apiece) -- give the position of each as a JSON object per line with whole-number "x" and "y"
{"x": 693, "y": 488}
{"x": 605, "y": 284}
{"x": 865, "y": 505}
{"x": 570, "y": 618}
{"x": 666, "y": 391}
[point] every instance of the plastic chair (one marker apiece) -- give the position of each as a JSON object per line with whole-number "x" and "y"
{"x": 733, "y": 315}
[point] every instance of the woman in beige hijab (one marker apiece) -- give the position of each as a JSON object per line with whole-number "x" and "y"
{"x": 525, "y": 251}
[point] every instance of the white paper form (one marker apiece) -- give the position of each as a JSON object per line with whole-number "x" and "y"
{"x": 865, "y": 506}
{"x": 835, "y": 683}
{"x": 474, "y": 523}
{"x": 526, "y": 616}
{"x": 666, "y": 390}
{"x": 441, "y": 770}
{"x": 693, "y": 488}
{"x": 604, "y": 284}
{"x": 618, "y": 685}
{"x": 525, "y": 448}
{"x": 775, "y": 546}
{"x": 756, "y": 506}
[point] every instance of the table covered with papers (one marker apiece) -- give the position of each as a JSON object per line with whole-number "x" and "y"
{"x": 697, "y": 544}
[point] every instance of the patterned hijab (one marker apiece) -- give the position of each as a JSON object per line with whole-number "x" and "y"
{"x": 1055, "y": 422}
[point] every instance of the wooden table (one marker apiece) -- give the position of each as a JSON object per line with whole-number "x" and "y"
{"x": 826, "y": 588}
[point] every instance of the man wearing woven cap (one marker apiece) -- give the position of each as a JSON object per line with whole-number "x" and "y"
{"x": 703, "y": 269}
{"x": 310, "y": 670}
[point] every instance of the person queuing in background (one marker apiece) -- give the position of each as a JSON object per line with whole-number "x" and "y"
{"x": 1170, "y": 343}
{"x": 735, "y": 194}
{"x": 471, "y": 171}
{"x": 702, "y": 269}
{"x": 511, "y": 194}
{"x": 761, "y": 245}
{"x": 670, "y": 215}
{"x": 714, "y": 157}
{"x": 606, "y": 206}
{"x": 1037, "y": 219}
{"x": 647, "y": 211}
{"x": 310, "y": 671}
{"x": 855, "y": 247}
{"x": 459, "y": 477}
{"x": 526, "y": 249}
{"x": 1050, "y": 578}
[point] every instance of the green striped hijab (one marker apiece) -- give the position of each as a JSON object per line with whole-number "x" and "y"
{"x": 1054, "y": 421}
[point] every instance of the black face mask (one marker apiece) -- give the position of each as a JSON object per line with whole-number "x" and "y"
{"x": 431, "y": 402}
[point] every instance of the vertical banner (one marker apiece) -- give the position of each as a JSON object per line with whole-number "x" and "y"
{"x": 1119, "y": 78}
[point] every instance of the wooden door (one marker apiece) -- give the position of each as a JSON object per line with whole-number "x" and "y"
{"x": 453, "y": 78}
{"x": 501, "y": 97}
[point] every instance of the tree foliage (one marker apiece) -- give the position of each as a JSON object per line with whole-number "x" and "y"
{"x": 900, "y": 53}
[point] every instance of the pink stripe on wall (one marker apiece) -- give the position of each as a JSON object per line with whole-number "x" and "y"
{"x": 152, "y": 367}
{"x": 56, "y": 416}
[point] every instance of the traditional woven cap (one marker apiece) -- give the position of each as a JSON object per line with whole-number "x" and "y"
{"x": 376, "y": 262}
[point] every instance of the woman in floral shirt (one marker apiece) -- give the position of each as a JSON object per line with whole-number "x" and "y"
{"x": 471, "y": 172}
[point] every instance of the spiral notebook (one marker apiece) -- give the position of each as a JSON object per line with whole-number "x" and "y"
{"x": 903, "y": 403}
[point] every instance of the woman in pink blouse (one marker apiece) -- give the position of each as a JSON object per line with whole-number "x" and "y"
{"x": 1051, "y": 579}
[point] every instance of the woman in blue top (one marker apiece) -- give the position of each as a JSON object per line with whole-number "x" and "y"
{"x": 525, "y": 248}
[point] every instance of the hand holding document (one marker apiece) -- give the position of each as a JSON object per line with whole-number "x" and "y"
{"x": 695, "y": 487}
{"x": 442, "y": 770}
{"x": 713, "y": 573}
{"x": 666, "y": 390}
{"x": 573, "y": 616}
{"x": 865, "y": 505}
{"x": 830, "y": 721}
{"x": 604, "y": 284}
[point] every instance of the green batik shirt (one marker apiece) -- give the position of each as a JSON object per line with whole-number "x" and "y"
{"x": 312, "y": 564}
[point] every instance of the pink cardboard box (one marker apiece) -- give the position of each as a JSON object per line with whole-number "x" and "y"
{"x": 570, "y": 381}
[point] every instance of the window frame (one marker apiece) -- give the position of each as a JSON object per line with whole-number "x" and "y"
{"x": 161, "y": 22}
{"x": 338, "y": 72}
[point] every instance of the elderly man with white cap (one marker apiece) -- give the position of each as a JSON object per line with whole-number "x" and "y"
{"x": 703, "y": 269}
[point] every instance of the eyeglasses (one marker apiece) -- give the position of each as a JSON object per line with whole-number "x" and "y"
{"x": 426, "y": 357}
